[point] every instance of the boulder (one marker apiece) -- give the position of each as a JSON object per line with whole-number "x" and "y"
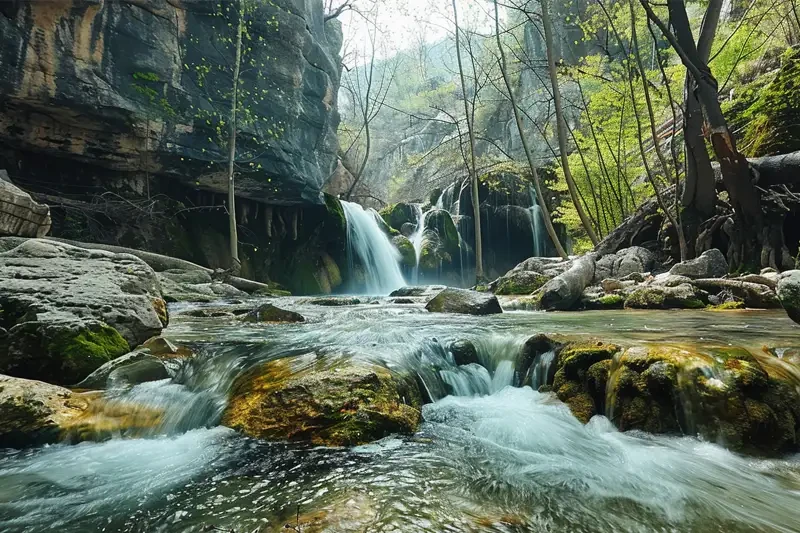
{"x": 34, "y": 413}
{"x": 754, "y": 295}
{"x": 42, "y": 280}
{"x": 682, "y": 296}
{"x": 439, "y": 221}
{"x": 711, "y": 264}
{"x": 464, "y": 301}
{"x": 464, "y": 353}
{"x": 563, "y": 291}
{"x": 407, "y": 253}
{"x": 59, "y": 351}
{"x": 632, "y": 260}
{"x": 340, "y": 403}
{"x": 398, "y": 214}
{"x": 270, "y": 313}
{"x": 20, "y": 215}
{"x": 519, "y": 282}
{"x": 135, "y": 367}
{"x": 195, "y": 286}
{"x": 789, "y": 293}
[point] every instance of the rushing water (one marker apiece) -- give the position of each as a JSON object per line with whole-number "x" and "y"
{"x": 373, "y": 250}
{"x": 489, "y": 457}
{"x": 418, "y": 238}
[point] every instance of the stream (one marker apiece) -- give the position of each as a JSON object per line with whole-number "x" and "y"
{"x": 489, "y": 456}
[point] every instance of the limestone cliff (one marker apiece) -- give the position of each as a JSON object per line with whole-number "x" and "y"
{"x": 99, "y": 93}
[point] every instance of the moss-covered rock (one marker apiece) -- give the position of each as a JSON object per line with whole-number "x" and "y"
{"x": 315, "y": 275}
{"x": 340, "y": 403}
{"x": 407, "y": 253}
{"x": 464, "y": 301}
{"x": 398, "y": 214}
{"x": 441, "y": 222}
{"x": 520, "y": 282}
{"x": 727, "y": 306}
{"x": 62, "y": 352}
{"x": 271, "y": 313}
{"x": 789, "y": 294}
{"x": 683, "y": 296}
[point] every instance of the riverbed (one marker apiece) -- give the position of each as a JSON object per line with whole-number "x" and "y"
{"x": 489, "y": 456}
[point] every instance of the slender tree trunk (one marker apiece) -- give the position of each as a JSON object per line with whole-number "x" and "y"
{"x": 234, "y": 237}
{"x": 561, "y": 124}
{"x": 674, "y": 218}
{"x": 473, "y": 173}
{"x": 548, "y": 222}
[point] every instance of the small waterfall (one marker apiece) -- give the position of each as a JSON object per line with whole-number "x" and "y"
{"x": 538, "y": 230}
{"x": 373, "y": 250}
{"x": 418, "y": 238}
{"x": 540, "y": 373}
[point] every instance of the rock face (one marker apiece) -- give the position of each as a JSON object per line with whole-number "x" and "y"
{"x": 789, "y": 293}
{"x": 20, "y": 215}
{"x": 711, "y": 264}
{"x": 465, "y": 302}
{"x": 341, "y": 404}
{"x": 122, "y": 94}
{"x": 69, "y": 310}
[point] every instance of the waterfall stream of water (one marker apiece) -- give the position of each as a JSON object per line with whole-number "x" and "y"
{"x": 371, "y": 248}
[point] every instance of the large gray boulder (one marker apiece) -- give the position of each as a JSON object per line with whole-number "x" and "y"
{"x": 69, "y": 310}
{"x": 20, "y": 215}
{"x": 465, "y": 302}
{"x": 711, "y": 264}
{"x": 632, "y": 260}
{"x": 563, "y": 291}
{"x": 789, "y": 293}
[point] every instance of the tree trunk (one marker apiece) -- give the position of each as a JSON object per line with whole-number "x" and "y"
{"x": 548, "y": 222}
{"x": 561, "y": 124}
{"x": 744, "y": 197}
{"x": 473, "y": 167}
{"x": 234, "y": 237}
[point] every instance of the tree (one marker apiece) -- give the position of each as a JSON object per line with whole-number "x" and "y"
{"x": 744, "y": 197}
{"x": 561, "y": 124}
{"x": 238, "y": 132}
{"x": 536, "y": 181}
{"x": 472, "y": 167}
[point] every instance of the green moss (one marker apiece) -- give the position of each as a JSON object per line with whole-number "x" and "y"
{"x": 576, "y": 358}
{"x": 521, "y": 283}
{"x": 693, "y": 303}
{"x": 406, "y": 249}
{"x": 645, "y": 299}
{"x": 84, "y": 350}
{"x": 395, "y": 215}
{"x": 726, "y": 306}
{"x": 612, "y": 300}
{"x": 336, "y": 215}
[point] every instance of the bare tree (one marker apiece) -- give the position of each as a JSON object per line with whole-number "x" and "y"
{"x": 472, "y": 167}
{"x": 548, "y": 222}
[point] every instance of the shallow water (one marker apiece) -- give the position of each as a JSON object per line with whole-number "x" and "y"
{"x": 495, "y": 458}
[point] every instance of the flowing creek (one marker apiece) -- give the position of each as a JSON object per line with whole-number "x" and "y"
{"x": 490, "y": 457}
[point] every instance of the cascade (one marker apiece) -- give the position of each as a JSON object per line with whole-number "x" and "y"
{"x": 371, "y": 248}
{"x": 418, "y": 238}
{"x": 538, "y": 230}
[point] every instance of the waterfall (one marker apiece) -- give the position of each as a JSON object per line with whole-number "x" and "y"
{"x": 538, "y": 230}
{"x": 418, "y": 238}
{"x": 373, "y": 250}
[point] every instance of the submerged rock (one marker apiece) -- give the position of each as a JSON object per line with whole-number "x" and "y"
{"x": 270, "y": 313}
{"x": 789, "y": 293}
{"x": 465, "y": 302}
{"x": 34, "y": 413}
{"x": 710, "y": 264}
{"x": 343, "y": 403}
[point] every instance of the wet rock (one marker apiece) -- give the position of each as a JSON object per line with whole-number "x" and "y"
{"x": 195, "y": 286}
{"x": 407, "y": 253}
{"x": 789, "y": 293}
{"x": 632, "y": 260}
{"x": 60, "y": 351}
{"x": 270, "y": 313}
{"x": 572, "y": 377}
{"x": 683, "y": 296}
{"x": 565, "y": 290}
{"x": 464, "y": 301}
{"x": 35, "y": 413}
{"x": 396, "y": 215}
{"x": 340, "y": 403}
{"x": 439, "y": 221}
{"x": 407, "y": 229}
{"x": 152, "y": 367}
{"x": 403, "y": 301}
{"x": 20, "y": 215}
{"x": 464, "y": 353}
{"x": 417, "y": 291}
{"x": 710, "y": 264}
{"x": 519, "y": 282}
{"x": 335, "y": 302}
